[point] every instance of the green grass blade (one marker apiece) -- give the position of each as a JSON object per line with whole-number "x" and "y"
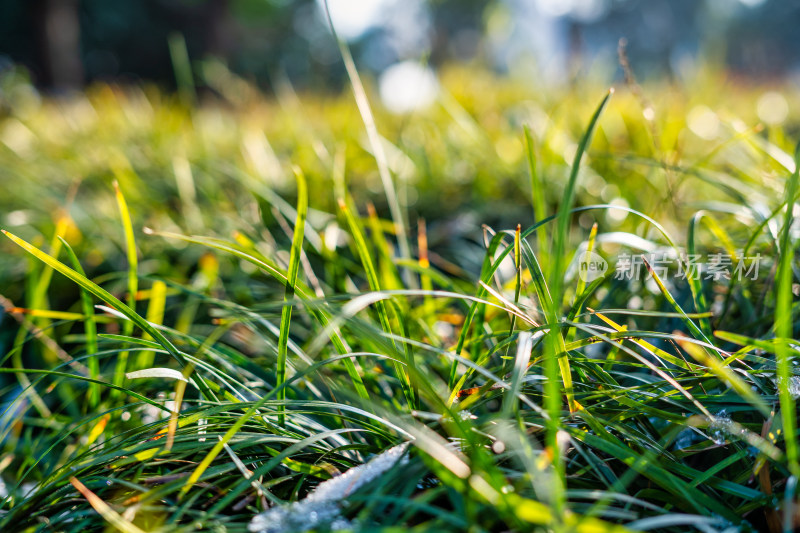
{"x": 288, "y": 295}
{"x": 362, "y": 102}
{"x": 783, "y": 320}
{"x": 556, "y": 359}
{"x": 133, "y": 277}
{"x": 538, "y": 200}
{"x": 90, "y": 328}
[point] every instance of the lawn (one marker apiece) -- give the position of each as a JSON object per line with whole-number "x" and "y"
{"x": 522, "y": 308}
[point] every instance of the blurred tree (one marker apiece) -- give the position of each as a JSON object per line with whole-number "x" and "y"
{"x": 67, "y": 42}
{"x": 59, "y": 37}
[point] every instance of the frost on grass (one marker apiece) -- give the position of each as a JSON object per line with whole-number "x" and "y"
{"x": 322, "y": 507}
{"x": 794, "y": 386}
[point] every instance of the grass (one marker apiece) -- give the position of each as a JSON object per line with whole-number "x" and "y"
{"x": 240, "y": 321}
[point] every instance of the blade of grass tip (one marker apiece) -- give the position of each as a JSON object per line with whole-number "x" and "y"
{"x": 362, "y": 102}
{"x": 538, "y": 200}
{"x": 155, "y": 315}
{"x": 288, "y": 296}
{"x": 556, "y": 358}
{"x": 90, "y": 329}
{"x": 103, "y": 509}
{"x": 133, "y": 279}
{"x": 783, "y": 321}
{"x": 563, "y": 217}
{"x": 789, "y": 504}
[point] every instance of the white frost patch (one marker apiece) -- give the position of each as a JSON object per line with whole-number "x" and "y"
{"x": 322, "y": 506}
{"x": 794, "y": 386}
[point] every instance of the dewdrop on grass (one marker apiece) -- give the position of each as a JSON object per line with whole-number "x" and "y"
{"x": 322, "y": 506}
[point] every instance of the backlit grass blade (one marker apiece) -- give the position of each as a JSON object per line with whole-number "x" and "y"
{"x": 155, "y": 315}
{"x": 556, "y": 359}
{"x": 561, "y": 235}
{"x": 291, "y": 281}
{"x": 375, "y": 141}
{"x": 426, "y": 279}
{"x": 182, "y": 68}
{"x": 580, "y": 297}
{"x": 517, "y": 276}
{"x": 783, "y": 323}
{"x": 521, "y": 361}
{"x": 694, "y": 282}
{"x": 488, "y": 270}
{"x": 538, "y": 200}
{"x": 36, "y": 297}
{"x": 386, "y": 268}
{"x": 133, "y": 277}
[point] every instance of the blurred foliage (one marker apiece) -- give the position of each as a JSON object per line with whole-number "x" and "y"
{"x": 458, "y": 164}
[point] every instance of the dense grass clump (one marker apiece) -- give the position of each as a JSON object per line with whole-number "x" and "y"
{"x": 517, "y": 310}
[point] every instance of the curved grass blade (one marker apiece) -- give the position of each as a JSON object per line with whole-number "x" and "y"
{"x": 105, "y": 296}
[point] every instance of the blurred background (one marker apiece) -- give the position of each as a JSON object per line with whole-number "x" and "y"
{"x": 65, "y": 44}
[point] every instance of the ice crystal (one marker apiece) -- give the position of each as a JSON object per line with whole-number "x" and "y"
{"x": 322, "y": 507}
